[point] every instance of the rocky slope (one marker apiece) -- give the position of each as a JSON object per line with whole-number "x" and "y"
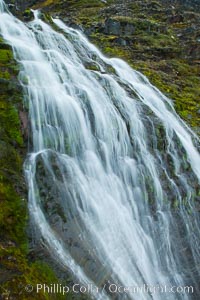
{"x": 160, "y": 38}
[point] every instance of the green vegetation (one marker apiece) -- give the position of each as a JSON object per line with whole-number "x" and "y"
{"x": 158, "y": 48}
{"x": 16, "y": 270}
{"x": 154, "y": 48}
{"x": 180, "y": 82}
{"x": 28, "y": 15}
{"x": 5, "y": 56}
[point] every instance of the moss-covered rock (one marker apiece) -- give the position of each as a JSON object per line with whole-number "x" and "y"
{"x": 155, "y": 37}
{"x": 28, "y": 15}
{"x": 16, "y": 269}
{"x": 158, "y": 38}
{"x": 144, "y": 35}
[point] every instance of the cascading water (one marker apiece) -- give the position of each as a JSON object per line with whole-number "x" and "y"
{"x": 113, "y": 173}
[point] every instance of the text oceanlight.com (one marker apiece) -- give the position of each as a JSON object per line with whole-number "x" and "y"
{"x": 110, "y": 288}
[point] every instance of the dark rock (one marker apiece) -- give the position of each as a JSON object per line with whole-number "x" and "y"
{"x": 194, "y": 51}
{"x": 21, "y": 5}
{"x": 113, "y": 27}
{"x": 72, "y": 24}
{"x": 118, "y": 27}
{"x": 129, "y": 29}
{"x": 89, "y": 31}
{"x": 176, "y": 19}
{"x": 23, "y": 115}
{"x": 89, "y": 65}
{"x": 121, "y": 42}
{"x": 28, "y": 15}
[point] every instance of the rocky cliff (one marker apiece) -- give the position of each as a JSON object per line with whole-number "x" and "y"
{"x": 159, "y": 38}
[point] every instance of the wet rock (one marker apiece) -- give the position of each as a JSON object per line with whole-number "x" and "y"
{"x": 89, "y": 65}
{"x": 118, "y": 27}
{"x": 72, "y": 24}
{"x": 176, "y": 19}
{"x": 28, "y": 15}
{"x": 23, "y": 115}
{"x": 113, "y": 27}
{"x": 129, "y": 29}
{"x": 121, "y": 42}
{"x": 21, "y": 5}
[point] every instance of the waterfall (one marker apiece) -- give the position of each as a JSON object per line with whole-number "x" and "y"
{"x": 113, "y": 172}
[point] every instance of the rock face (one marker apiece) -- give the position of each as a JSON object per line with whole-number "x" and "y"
{"x": 160, "y": 38}
{"x": 187, "y": 3}
{"x": 12, "y": 150}
{"x": 21, "y": 5}
{"x": 16, "y": 270}
{"x": 118, "y": 28}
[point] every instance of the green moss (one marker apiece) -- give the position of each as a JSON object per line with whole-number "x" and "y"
{"x": 12, "y": 213}
{"x": 176, "y": 82}
{"x": 25, "y": 274}
{"x": 85, "y": 3}
{"x": 5, "y": 56}
{"x": 49, "y": 2}
{"x": 16, "y": 269}
{"x": 92, "y": 66}
{"x": 28, "y": 15}
{"x": 154, "y": 50}
{"x": 71, "y": 4}
{"x": 10, "y": 122}
{"x": 140, "y": 24}
{"x": 5, "y": 75}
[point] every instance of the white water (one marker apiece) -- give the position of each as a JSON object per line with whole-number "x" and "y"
{"x": 113, "y": 172}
